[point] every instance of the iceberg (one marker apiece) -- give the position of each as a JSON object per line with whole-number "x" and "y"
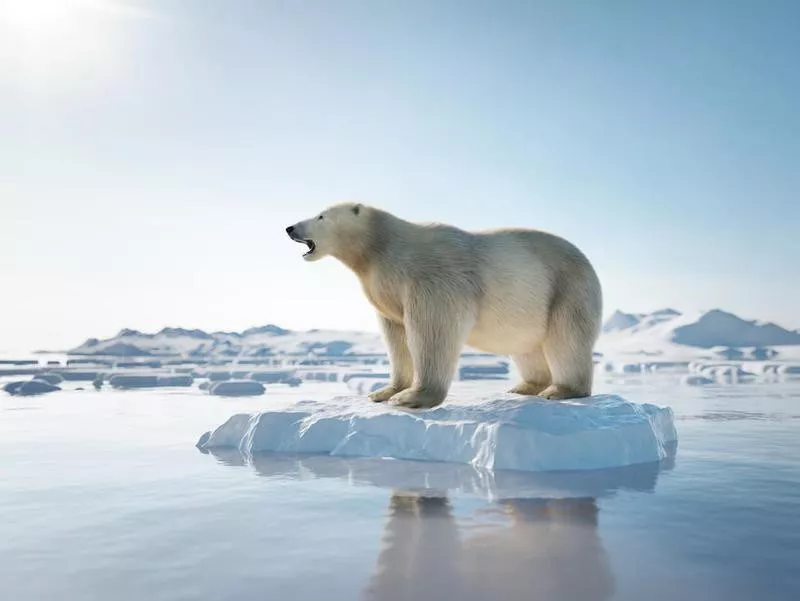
{"x": 507, "y": 432}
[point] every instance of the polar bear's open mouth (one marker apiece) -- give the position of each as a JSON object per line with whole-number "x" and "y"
{"x": 311, "y": 246}
{"x": 307, "y": 241}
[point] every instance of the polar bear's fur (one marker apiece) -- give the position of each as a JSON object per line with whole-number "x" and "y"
{"x": 518, "y": 292}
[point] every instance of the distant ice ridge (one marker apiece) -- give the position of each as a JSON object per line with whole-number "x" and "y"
{"x": 502, "y": 433}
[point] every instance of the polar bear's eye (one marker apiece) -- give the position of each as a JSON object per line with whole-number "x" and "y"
{"x": 319, "y": 218}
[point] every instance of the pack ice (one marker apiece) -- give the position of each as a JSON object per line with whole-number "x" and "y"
{"x": 501, "y": 433}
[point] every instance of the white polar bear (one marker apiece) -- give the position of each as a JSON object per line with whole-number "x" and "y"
{"x": 518, "y": 292}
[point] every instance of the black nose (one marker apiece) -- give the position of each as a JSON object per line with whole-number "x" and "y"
{"x": 290, "y": 229}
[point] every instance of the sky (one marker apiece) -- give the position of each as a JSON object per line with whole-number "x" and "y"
{"x": 152, "y": 153}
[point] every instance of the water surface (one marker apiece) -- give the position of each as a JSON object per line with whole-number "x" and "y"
{"x": 104, "y": 496}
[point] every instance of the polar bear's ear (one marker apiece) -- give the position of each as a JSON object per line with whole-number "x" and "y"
{"x": 356, "y": 209}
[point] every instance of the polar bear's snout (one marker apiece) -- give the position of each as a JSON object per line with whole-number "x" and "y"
{"x": 297, "y": 233}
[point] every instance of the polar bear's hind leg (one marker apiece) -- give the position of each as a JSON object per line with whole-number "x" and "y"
{"x": 534, "y": 371}
{"x": 571, "y": 335}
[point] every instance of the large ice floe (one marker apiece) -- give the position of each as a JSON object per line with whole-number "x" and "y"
{"x": 501, "y": 433}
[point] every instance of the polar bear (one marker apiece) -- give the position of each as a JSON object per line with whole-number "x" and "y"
{"x": 519, "y": 292}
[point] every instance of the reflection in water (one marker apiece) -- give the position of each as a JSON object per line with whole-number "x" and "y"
{"x": 421, "y": 553}
{"x": 536, "y": 539}
{"x": 444, "y": 478}
{"x": 533, "y": 549}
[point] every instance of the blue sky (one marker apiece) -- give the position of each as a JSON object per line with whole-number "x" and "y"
{"x": 152, "y": 153}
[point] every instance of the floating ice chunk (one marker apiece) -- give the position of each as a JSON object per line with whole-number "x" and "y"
{"x": 149, "y": 381}
{"x": 30, "y": 388}
{"x": 134, "y": 381}
{"x": 504, "y": 433}
{"x": 237, "y": 388}
{"x": 177, "y": 380}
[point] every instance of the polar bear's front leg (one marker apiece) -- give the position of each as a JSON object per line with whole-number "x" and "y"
{"x": 437, "y": 331}
{"x": 400, "y": 359}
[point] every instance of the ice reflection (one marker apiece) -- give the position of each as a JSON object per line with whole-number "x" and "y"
{"x": 536, "y": 536}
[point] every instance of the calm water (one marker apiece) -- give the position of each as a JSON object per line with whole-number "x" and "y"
{"x": 103, "y": 496}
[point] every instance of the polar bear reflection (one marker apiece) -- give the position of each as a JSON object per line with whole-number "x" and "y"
{"x": 521, "y": 549}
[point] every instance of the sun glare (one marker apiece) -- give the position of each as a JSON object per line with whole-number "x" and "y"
{"x": 49, "y": 39}
{"x": 37, "y": 18}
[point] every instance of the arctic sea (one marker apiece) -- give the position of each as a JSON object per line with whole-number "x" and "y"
{"x": 103, "y": 495}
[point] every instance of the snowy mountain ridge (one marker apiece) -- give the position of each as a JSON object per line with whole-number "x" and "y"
{"x": 665, "y": 332}
{"x": 253, "y": 342}
{"x": 685, "y": 335}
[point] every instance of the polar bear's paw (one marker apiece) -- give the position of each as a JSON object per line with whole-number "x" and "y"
{"x": 555, "y": 392}
{"x": 529, "y": 388}
{"x": 384, "y": 394}
{"x": 418, "y": 398}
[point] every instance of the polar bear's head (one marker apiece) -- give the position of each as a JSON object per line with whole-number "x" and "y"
{"x": 335, "y": 231}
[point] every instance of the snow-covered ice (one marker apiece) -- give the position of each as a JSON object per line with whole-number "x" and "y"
{"x": 501, "y": 433}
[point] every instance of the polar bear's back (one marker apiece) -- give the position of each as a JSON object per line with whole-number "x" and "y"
{"x": 525, "y": 276}
{"x": 518, "y": 279}
{"x": 539, "y": 257}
